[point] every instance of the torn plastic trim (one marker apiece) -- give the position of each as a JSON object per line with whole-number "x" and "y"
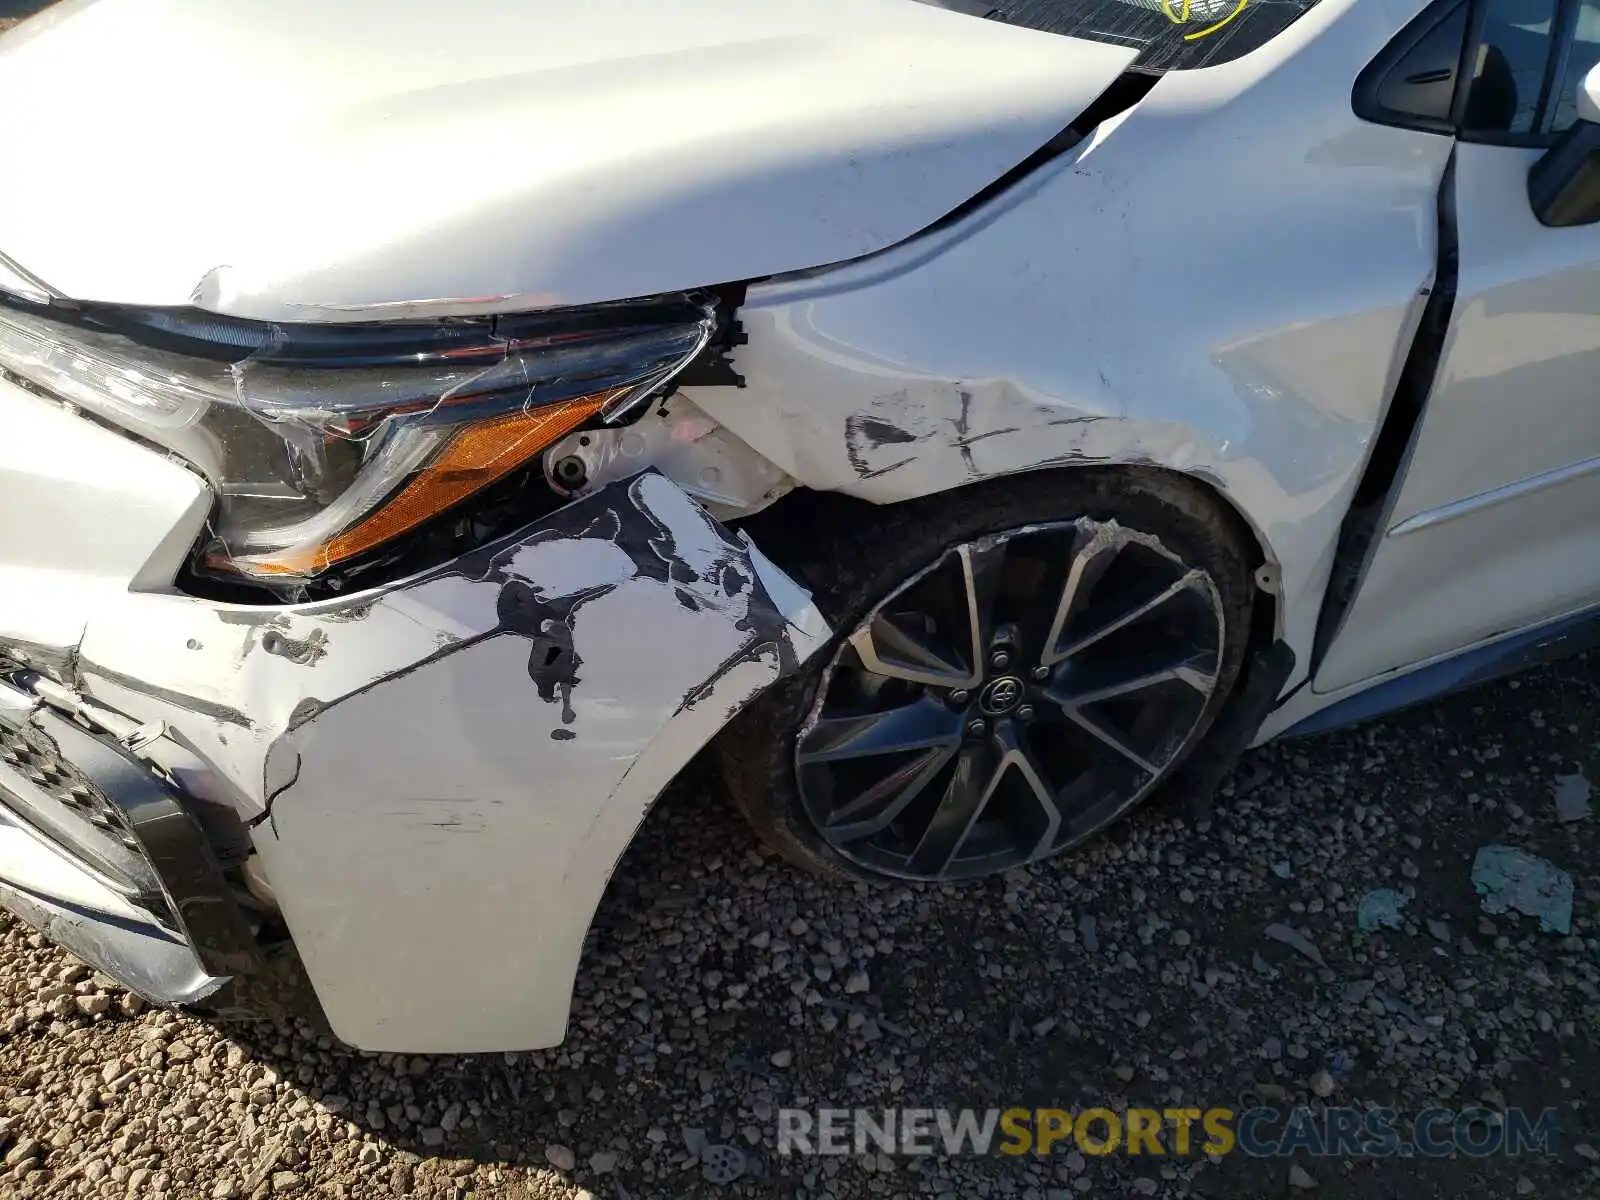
{"x": 1236, "y": 729}
{"x": 140, "y": 956}
{"x": 197, "y": 897}
{"x": 101, "y": 854}
{"x": 57, "y": 662}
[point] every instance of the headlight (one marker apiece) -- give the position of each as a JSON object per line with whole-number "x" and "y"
{"x": 19, "y": 283}
{"x": 324, "y": 442}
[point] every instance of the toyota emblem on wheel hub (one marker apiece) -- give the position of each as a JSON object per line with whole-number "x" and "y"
{"x": 1001, "y": 696}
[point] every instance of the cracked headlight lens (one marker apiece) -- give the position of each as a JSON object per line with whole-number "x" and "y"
{"x": 325, "y": 442}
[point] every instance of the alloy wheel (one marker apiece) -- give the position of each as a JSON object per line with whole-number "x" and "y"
{"x": 1010, "y": 700}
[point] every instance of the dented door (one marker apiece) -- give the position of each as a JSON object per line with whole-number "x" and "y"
{"x": 1492, "y": 529}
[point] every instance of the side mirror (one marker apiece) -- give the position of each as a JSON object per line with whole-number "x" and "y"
{"x": 1564, "y": 185}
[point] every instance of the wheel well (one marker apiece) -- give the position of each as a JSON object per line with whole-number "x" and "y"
{"x": 786, "y": 528}
{"x": 844, "y": 549}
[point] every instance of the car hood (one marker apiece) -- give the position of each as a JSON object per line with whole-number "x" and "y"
{"x": 300, "y": 160}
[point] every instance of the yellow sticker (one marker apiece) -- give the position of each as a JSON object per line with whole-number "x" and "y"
{"x": 1188, "y": 12}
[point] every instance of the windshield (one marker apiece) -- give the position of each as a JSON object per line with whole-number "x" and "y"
{"x": 1170, "y": 34}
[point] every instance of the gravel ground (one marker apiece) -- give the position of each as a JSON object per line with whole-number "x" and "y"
{"x": 720, "y": 984}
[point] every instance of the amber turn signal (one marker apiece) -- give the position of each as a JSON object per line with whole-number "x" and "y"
{"x": 474, "y": 458}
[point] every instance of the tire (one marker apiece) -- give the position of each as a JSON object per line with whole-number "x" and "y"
{"x": 857, "y": 556}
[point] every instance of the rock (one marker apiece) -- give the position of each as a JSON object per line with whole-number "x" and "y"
{"x": 1293, "y": 937}
{"x": 1300, "y": 1178}
{"x": 675, "y": 1003}
{"x": 286, "y": 1183}
{"x": 1507, "y": 878}
{"x": 26, "y": 1147}
{"x": 559, "y": 1157}
{"x": 1089, "y": 932}
{"x": 782, "y": 1059}
{"x": 433, "y": 1137}
{"x": 1572, "y": 797}
{"x": 723, "y": 1164}
{"x": 269, "y": 1159}
{"x": 94, "y": 1005}
{"x": 1380, "y": 909}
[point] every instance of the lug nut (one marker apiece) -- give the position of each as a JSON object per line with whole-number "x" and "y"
{"x": 1000, "y": 660}
{"x": 1025, "y": 713}
{"x": 1040, "y": 673}
{"x": 977, "y": 729}
{"x": 958, "y": 698}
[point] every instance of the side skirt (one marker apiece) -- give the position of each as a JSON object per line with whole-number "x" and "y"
{"x": 1554, "y": 640}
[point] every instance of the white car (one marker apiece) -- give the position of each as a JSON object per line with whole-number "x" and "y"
{"x": 427, "y": 427}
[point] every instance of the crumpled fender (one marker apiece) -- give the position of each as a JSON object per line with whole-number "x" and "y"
{"x": 443, "y": 775}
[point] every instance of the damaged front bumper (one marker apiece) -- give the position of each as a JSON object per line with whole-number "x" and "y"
{"x": 438, "y": 777}
{"x": 102, "y": 855}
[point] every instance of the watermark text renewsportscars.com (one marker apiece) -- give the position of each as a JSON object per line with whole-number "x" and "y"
{"x": 1263, "y": 1132}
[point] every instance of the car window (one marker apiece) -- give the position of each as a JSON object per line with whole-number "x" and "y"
{"x": 1506, "y": 71}
{"x": 1170, "y": 34}
{"x": 1418, "y": 88}
{"x": 1581, "y": 59}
